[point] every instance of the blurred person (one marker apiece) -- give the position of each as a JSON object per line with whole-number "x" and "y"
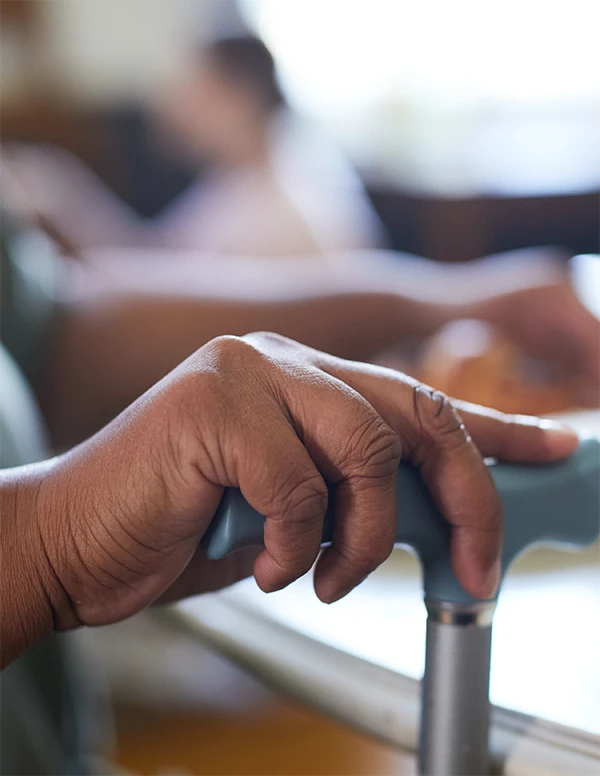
{"x": 524, "y": 301}
{"x": 230, "y": 111}
{"x": 113, "y": 524}
{"x": 271, "y": 186}
{"x": 550, "y": 323}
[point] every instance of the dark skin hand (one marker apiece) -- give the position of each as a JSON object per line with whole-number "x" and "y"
{"x": 101, "y": 532}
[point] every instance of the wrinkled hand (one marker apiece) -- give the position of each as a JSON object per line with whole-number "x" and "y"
{"x": 121, "y": 516}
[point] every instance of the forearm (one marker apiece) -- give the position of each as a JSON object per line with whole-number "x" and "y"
{"x": 132, "y": 316}
{"x": 26, "y": 578}
{"x": 51, "y": 188}
{"x": 114, "y": 348}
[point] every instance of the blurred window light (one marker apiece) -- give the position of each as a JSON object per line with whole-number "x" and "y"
{"x": 462, "y": 95}
{"x": 347, "y": 53}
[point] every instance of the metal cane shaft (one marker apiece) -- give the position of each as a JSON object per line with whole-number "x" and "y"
{"x": 455, "y": 706}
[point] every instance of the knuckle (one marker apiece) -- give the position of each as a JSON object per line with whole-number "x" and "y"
{"x": 198, "y": 393}
{"x": 301, "y": 501}
{"x": 230, "y": 374}
{"x": 437, "y": 419}
{"x": 373, "y": 447}
{"x": 261, "y": 338}
{"x": 227, "y": 352}
{"x": 270, "y": 343}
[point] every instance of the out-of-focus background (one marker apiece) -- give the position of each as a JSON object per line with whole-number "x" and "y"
{"x": 446, "y": 130}
{"x": 474, "y": 126}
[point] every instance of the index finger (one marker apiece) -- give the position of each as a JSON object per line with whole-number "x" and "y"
{"x": 518, "y": 438}
{"x": 435, "y": 439}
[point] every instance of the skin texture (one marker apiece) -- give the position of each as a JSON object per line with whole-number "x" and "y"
{"x": 99, "y": 533}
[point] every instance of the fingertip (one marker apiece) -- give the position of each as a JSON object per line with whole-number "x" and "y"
{"x": 477, "y": 564}
{"x": 328, "y": 591}
{"x": 267, "y": 574}
{"x": 328, "y": 585}
{"x": 324, "y": 581}
{"x": 560, "y": 440}
{"x": 481, "y": 583}
{"x": 490, "y": 581}
{"x": 329, "y": 594}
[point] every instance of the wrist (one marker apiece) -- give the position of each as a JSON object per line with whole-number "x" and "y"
{"x": 27, "y": 589}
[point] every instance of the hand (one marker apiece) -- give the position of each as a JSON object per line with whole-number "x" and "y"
{"x": 551, "y": 324}
{"x": 120, "y": 518}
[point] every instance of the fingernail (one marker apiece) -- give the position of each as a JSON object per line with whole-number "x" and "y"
{"x": 491, "y": 580}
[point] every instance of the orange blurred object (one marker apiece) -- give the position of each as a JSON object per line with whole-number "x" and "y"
{"x": 473, "y": 361}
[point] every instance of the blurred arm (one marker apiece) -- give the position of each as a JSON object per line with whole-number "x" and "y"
{"x": 47, "y": 186}
{"x": 114, "y": 341}
{"x": 130, "y": 317}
